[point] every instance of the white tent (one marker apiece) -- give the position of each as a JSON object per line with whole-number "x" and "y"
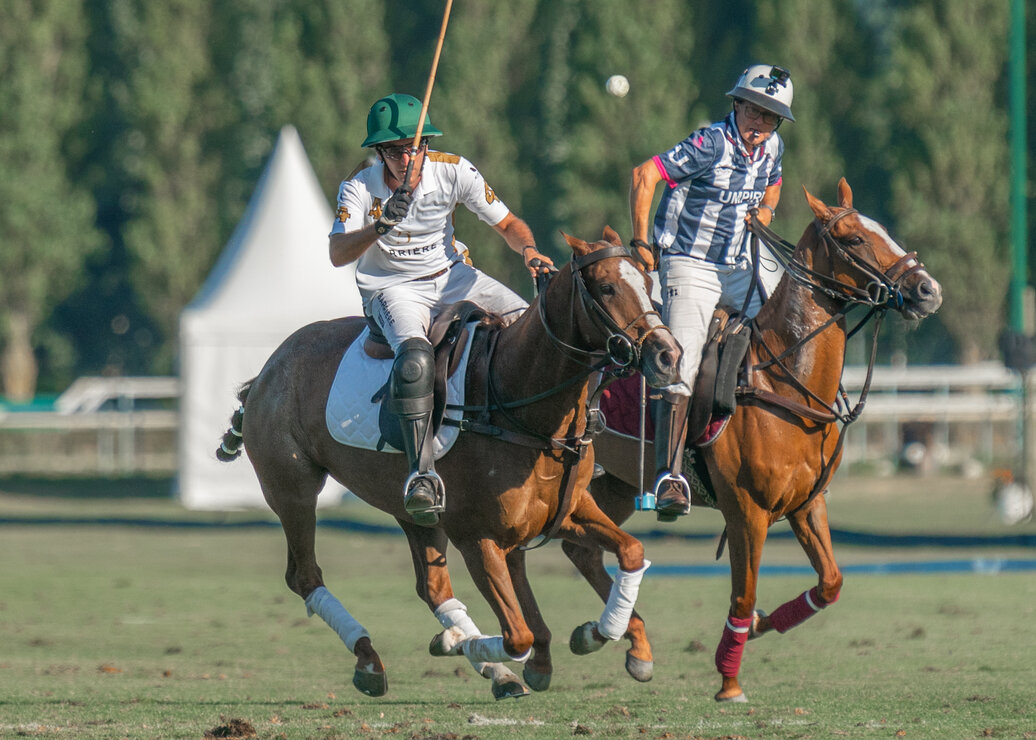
{"x": 273, "y": 277}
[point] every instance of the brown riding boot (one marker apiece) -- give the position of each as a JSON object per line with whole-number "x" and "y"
{"x": 672, "y": 492}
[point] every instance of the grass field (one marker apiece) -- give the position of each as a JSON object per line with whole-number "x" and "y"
{"x": 115, "y": 631}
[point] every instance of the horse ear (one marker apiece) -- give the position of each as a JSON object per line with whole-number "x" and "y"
{"x": 612, "y": 237}
{"x": 578, "y": 245}
{"x": 821, "y": 211}
{"x": 845, "y": 194}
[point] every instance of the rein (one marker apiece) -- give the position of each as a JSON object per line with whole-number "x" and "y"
{"x": 881, "y": 293}
{"x": 620, "y": 350}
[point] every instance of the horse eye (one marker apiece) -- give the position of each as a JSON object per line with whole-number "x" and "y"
{"x": 856, "y": 241}
{"x": 607, "y": 289}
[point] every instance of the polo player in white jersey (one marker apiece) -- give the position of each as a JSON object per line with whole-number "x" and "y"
{"x": 410, "y": 265}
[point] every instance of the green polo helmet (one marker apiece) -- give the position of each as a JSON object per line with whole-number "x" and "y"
{"x": 395, "y": 117}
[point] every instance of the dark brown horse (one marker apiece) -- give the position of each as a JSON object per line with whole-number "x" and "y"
{"x": 782, "y": 444}
{"x": 522, "y": 474}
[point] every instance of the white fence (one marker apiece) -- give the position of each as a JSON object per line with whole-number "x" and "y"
{"x": 936, "y": 416}
{"x": 926, "y": 416}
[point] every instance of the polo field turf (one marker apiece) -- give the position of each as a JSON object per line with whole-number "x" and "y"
{"x": 113, "y": 629}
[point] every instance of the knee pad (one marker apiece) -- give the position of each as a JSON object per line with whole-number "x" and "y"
{"x": 412, "y": 383}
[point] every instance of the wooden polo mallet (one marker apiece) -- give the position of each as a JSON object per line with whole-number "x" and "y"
{"x": 427, "y": 96}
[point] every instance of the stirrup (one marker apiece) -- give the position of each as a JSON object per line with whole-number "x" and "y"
{"x": 421, "y": 513}
{"x": 665, "y": 479}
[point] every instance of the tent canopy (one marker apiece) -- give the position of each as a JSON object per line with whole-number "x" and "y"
{"x": 273, "y": 277}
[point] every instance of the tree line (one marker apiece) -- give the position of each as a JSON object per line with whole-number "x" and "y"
{"x": 132, "y": 134}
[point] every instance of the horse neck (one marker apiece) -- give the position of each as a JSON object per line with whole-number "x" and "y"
{"x": 793, "y": 313}
{"x": 527, "y": 361}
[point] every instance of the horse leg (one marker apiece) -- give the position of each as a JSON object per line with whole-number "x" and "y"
{"x": 811, "y": 529}
{"x": 487, "y": 564}
{"x": 297, "y": 513}
{"x": 539, "y": 668}
{"x": 428, "y": 551}
{"x": 588, "y": 527}
{"x": 615, "y": 499}
{"x": 746, "y": 535}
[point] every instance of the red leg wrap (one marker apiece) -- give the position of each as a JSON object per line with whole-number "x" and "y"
{"x": 798, "y": 610}
{"x": 732, "y": 645}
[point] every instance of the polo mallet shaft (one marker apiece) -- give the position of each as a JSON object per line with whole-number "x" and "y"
{"x": 643, "y": 422}
{"x": 428, "y": 89}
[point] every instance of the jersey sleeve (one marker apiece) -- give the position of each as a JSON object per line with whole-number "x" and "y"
{"x": 477, "y": 195}
{"x": 693, "y": 156}
{"x": 353, "y": 207}
{"x": 777, "y": 173}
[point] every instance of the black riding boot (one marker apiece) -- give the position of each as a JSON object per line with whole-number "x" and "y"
{"x": 411, "y": 398}
{"x": 672, "y": 492}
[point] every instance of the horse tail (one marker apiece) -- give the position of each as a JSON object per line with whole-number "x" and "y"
{"x": 233, "y": 439}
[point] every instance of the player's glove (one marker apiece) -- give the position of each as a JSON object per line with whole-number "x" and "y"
{"x": 395, "y": 210}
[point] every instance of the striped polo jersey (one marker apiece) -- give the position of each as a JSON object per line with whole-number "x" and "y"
{"x": 713, "y": 181}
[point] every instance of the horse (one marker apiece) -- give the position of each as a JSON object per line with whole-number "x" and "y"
{"x": 518, "y": 471}
{"x": 783, "y": 443}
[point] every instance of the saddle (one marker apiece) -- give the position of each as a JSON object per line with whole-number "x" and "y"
{"x": 713, "y": 400}
{"x": 448, "y": 332}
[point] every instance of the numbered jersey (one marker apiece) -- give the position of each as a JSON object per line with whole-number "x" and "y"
{"x": 424, "y": 242}
{"x": 713, "y": 181}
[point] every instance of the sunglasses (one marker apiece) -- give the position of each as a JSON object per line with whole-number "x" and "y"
{"x": 397, "y": 152}
{"x": 755, "y": 113}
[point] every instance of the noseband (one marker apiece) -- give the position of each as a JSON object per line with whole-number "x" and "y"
{"x": 621, "y": 350}
{"x": 885, "y": 287}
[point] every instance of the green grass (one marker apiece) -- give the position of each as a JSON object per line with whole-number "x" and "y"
{"x": 110, "y": 632}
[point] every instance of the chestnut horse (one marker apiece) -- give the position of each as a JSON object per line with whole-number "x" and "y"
{"x": 518, "y": 470}
{"x": 783, "y": 443}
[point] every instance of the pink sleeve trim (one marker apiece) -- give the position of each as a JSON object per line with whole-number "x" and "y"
{"x": 661, "y": 170}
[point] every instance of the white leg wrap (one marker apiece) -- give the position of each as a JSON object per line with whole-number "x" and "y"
{"x": 453, "y": 615}
{"x": 616, "y": 615}
{"x": 323, "y": 603}
{"x": 490, "y": 650}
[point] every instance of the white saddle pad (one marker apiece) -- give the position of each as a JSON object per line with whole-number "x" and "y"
{"x": 352, "y": 418}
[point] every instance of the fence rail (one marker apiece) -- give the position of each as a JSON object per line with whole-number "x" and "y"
{"x": 937, "y": 414}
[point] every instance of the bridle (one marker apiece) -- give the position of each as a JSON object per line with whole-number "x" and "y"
{"x": 884, "y": 287}
{"x": 621, "y": 350}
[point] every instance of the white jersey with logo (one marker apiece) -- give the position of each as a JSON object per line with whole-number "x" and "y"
{"x": 423, "y": 243}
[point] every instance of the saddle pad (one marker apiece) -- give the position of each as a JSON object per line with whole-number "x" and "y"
{"x": 620, "y": 404}
{"x": 351, "y": 416}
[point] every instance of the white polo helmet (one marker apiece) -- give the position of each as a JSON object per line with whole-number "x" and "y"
{"x": 768, "y": 87}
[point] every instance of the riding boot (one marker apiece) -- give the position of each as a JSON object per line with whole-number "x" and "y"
{"x": 411, "y": 398}
{"x": 672, "y": 492}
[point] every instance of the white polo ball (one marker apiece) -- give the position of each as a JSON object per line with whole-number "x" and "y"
{"x": 617, "y": 85}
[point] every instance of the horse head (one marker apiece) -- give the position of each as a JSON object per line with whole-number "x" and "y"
{"x": 610, "y": 300}
{"x": 864, "y": 264}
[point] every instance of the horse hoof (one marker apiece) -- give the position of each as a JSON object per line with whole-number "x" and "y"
{"x": 509, "y": 689}
{"x": 425, "y": 518}
{"x": 641, "y": 670}
{"x": 537, "y": 681}
{"x": 446, "y": 642}
{"x": 756, "y": 616}
{"x": 735, "y": 699}
{"x": 582, "y": 641}
{"x": 370, "y": 682}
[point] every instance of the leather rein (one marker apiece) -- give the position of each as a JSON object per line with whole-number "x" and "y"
{"x": 880, "y": 294}
{"x": 621, "y": 351}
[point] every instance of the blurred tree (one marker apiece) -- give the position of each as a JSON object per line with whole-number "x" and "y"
{"x": 607, "y": 136}
{"x": 950, "y": 159}
{"x": 485, "y": 75}
{"x": 172, "y": 200}
{"x": 45, "y": 217}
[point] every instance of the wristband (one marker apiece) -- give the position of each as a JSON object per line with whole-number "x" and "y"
{"x": 640, "y": 244}
{"x": 383, "y": 228}
{"x": 773, "y": 213}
